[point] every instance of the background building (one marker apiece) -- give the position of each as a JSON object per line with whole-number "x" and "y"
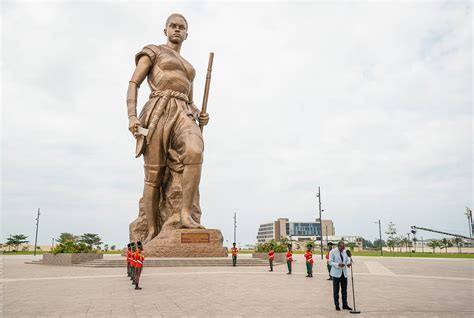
{"x": 297, "y": 231}
{"x": 348, "y": 239}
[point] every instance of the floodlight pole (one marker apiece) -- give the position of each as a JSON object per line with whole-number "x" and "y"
{"x": 37, "y": 225}
{"x": 235, "y": 227}
{"x": 320, "y": 221}
{"x": 381, "y": 242}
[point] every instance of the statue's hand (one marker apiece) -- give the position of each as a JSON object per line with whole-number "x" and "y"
{"x": 133, "y": 124}
{"x": 203, "y": 119}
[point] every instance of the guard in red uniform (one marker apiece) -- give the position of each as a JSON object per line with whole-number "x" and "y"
{"x": 271, "y": 257}
{"x": 132, "y": 262}
{"x": 234, "y": 254}
{"x": 309, "y": 261}
{"x": 289, "y": 259}
{"x": 129, "y": 256}
{"x": 327, "y": 259}
{"x": 139, "y": 258}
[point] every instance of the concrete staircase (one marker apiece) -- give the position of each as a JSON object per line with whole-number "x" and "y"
{"x": 174, "y": 262}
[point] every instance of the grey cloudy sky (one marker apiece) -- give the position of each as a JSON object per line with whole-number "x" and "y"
{"x": 371, "y": 101}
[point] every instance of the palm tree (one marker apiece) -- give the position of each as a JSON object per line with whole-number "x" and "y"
{"x": 445, "y": 243}
{"x": 457, "y": 241}
{"x": 16, "y": 240}
{"x": 91, "y": 239}
{"x": 65, "y": 237}
{"x": 433, "y": 244}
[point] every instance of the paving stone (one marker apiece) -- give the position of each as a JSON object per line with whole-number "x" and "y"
{"x": 385, "y": 287}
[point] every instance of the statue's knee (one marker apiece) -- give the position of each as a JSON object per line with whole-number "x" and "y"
{"x": 194, "y": 154}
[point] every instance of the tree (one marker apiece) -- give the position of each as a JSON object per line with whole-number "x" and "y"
{"x": 367, "y": 243}
{"x": 433, "y": 244}
{"x": 91, "y": 239}
{"x": 445, "y": 243}
{"x": 379, "y": 243}
{"x": 457, "y": 241}
{"x": 106, "y": 247}
{"x": 65, "y": 237}
{"x": 16, "y": 240}
{"x": 392, "y": 240}
{"x": 113, "y": 247}
{"x": 404, "y": 242}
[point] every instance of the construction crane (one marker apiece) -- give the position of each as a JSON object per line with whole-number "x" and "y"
{"x": 415, "y": 228}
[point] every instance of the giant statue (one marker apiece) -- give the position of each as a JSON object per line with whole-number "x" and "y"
{"x": 168, "y": 135}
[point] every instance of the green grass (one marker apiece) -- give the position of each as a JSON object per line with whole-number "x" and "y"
{"x": 389, "y": 254}
{"x": 112, "y": 252}
{"x": 22, "y": 253}
{"x": 417, "y": 254}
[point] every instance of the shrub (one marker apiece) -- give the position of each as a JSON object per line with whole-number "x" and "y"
{"x": 72, "y": 247}
{"x": 278, "y": 247}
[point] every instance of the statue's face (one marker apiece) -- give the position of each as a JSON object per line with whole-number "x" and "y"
{"x": 176, "y": 31}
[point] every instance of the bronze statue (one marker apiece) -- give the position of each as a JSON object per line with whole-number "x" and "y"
{"x": 167, "y": 130}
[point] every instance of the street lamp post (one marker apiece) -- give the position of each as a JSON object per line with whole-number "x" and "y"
{"x": 320, "y": 221}
{"x": 235, "y": 227}
{"x": 380, "y": 238}
{"x": 37, "y": 225}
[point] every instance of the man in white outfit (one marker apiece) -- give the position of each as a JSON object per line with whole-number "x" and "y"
{"x": 339, "y": 262}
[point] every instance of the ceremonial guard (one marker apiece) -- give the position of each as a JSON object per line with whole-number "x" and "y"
{"x": 271, "y": 257}
{"x": 289, "y": 258}
{"x": 129, "y": 257}
{"x": 234, "y": 254}
{"x": 309, "y": 261}
{"x": 139, "y": 258}
{"x": 132, "y": 262}
{"x": 327, "y": 259}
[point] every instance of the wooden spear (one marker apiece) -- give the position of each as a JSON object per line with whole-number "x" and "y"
{"x": 206, "y": 88}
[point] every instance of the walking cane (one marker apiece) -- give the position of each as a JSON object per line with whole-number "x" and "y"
{"x": 354, "y": 311}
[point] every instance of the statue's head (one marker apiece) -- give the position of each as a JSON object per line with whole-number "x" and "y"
{"x": 176, "y": 28}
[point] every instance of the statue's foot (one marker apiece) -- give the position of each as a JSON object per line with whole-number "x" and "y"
{"x": 189, "y": 223}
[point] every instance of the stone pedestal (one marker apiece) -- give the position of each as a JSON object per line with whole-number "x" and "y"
{"x": 186, "y": 243}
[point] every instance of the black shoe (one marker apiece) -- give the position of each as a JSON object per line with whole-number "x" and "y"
{"x": 137, "y": 288}
{"x": 289, "y": 273}
{"x": 346, "y": 307}
{"x": 337, "y": 308}
{"x": 329, "y": 278}
{"x": 308, "y": 276}
{"x": 271, "y": 270}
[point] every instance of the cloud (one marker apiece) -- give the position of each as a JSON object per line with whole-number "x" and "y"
{"x": 372, "y": 102}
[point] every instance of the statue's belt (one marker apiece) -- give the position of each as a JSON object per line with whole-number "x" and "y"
{"x": 162, "y": 102}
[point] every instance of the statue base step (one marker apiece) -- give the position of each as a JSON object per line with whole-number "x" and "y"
{"x": 186, "y": 243}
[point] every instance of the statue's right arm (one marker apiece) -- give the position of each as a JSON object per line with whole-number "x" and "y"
{"x": 139, "y": 75}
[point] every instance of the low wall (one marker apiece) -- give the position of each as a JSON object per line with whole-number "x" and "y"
{"x": 279, "y": 257}
{"x": 68, "y": 259}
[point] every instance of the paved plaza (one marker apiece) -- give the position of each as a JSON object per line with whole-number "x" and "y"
{"x": 385, "y": 287}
